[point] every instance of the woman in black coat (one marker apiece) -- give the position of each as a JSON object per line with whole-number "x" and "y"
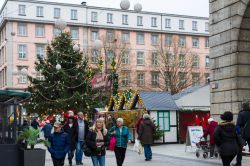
{"x": 71, "y": 128}
{"x": 97, "y": 140}
{"x": 225, "y": 138}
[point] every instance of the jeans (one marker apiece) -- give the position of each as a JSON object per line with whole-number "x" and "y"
{"x": 79, "y": 151}
{"x": 147, "y": 151}
{"x": 226, "y": 160}
{"x": 71, "y": 155}
{"x": 98, "y": 159}
{"x": 120, "y": 155}
{"x": 58, "y": 162}
{"x": 239, "y": 155}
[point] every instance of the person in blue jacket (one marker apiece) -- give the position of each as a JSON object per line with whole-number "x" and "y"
{"x": 122, "y": 135}
{"x": 59, "y": 145}
{"x": 47, "y": 129}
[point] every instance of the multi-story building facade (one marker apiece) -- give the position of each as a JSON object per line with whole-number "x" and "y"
{"x": 27, "y": 26}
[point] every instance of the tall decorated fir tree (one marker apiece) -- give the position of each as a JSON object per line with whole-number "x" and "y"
{"x": 66, "y": 83}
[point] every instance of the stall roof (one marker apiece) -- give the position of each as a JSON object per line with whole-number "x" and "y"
{"x": 158, "y": 101}
{"x": 6, "y": 95}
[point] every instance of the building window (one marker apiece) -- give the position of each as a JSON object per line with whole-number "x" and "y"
{"x": 140, "y": 38}
{"x": 139, "y": 21}
{"x": 163, "y": 119}
{"x": 182, "y": 79}
{"x": 153, "y": 21}
{"x": 73, "y": 14}
{"x": 182, "y": 62}
{"x": 22, "y": 29}
{"x": 40, "y": 31}
{"x": 206, "y": 27}
{"x": 22, "y": 51}
{"x": 125, "y": 79}
{"x": 207, "y": 42}
{"x": 194, "y": 26}
{"x": 195, "y": 62}
{"x": 125, "y": 37}
{"x": 182, "y": 41}
{"x": 154, "y": 39}
{"x": 195, "y": 42}
{"x": 40, "y": 51}
{"x": 181, "y": 24}
{"x": 94, "y": 35}
{"x": 110, "y": 36}
{"x": 110, "y": 56}
{"x": 56, "y": 32}
{"x": 21, "y": 10}
{"x": 155, "y": 79}
{"x": 168, "y": 40}
{"x": 57, "y": 12}
{"x": 94, "y": 56}
{"x": 22, "y": 79}
{"x": 140, "y": 79}
{"x": 39, "y": 76}
{"x": 195, "y": 79}
{"x": 94, "y": 17}
{"x": 110, "y": 18}
{"x": 125, "y": 19}
{"x": 140, "y": 58}
{"x": 167, "y": 23}
{"x": 207, "y": 61}
{"x": 155, "y": 59}
{"x": 125, "y": 58}
{"x": 74, "y": 31}
{"x": 39, "y": 11}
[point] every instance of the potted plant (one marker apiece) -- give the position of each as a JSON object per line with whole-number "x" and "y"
{"x": 28, "y": 154}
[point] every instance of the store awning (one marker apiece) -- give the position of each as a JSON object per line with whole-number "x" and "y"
{"x": 9, "y": 96}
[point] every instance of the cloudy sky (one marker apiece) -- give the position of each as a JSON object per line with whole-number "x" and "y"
{"x": 185, "y": 7}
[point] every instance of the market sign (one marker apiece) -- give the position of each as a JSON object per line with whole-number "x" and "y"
{"x": 100, "y": 81}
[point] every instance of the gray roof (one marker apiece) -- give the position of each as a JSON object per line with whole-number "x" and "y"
{"x": 158, "y": 101}
{"x": 187, "y": 91}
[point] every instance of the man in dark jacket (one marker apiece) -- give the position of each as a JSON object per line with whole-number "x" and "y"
{"x": 59, "y": 145}
{"x": 210, "y": 131}
{"x": 243, "y": 127}
{"x": 146, "y": 136}
{"x": 70, "y": 128}
{"x": 35, "y": 123}
{"x": 47, "y": 129}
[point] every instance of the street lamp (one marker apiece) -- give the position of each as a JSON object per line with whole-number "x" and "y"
{"x": 97, "y": 44}
{"x": 125, "y": 4}
{"x": 76, "y": 48}
{"x": 60, "y": 24}
{"x": 138, "y": 7}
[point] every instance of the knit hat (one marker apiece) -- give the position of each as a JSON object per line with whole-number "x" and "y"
{"x": 57, "y": 124}
{"x": 227, "y": 116}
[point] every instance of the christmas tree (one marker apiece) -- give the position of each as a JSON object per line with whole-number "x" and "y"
{"x": 66, "y": 83}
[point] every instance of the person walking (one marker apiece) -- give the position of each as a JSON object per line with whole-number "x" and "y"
{"x": 146, "y": 136}
{"x": 243, "y": 128}
{"x": 97, "y": 140}
{"x": 34, "y": 123}
{"x": 25, "y": 124}
{"x": 122, "y": 135}
{"x": 47, "y": 129}
{"x": 212, "y": 124}
{"x": 225, "y": 138}
{"x": 59, "y": 145}
{"x": 82, "y": 131}
{"x": 71, "y": 130}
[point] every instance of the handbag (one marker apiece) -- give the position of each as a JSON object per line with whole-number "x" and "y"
{"x": 112, "y": 143}
{"x": 86, "y": 150}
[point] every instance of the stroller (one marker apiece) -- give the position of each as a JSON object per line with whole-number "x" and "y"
{"x": 203, "y": 148}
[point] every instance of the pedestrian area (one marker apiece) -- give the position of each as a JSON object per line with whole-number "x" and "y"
{"x": 172, "y": 155}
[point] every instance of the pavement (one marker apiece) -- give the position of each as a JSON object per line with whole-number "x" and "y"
{"x": 171, "y": 154}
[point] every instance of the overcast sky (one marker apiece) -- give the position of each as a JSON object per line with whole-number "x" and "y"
{"x": 185, "y": 7}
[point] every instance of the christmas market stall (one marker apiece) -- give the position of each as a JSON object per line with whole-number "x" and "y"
{"x": 10, "y": 124}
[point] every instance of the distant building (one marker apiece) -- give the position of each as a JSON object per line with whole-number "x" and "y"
{"x": 26, "y": 26}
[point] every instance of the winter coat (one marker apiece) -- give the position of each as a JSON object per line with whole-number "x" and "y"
{"x": 210, "y": 131}
{"x": 225, "y": 138}
{"x": 243, "y": 122}
{"x": 91, "y": 143}
{"x": 47, "y": 130}
{"x": 59, "y": 145}
{"x": 122, "y": 138}
{"x": 34, "y": 124}
{"x": 86, "y": 126}
{"x": 72, "y": 132}
{"x": 146, "y": 132}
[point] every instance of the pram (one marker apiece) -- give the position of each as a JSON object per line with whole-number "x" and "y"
{"x": 203, "y": 148}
